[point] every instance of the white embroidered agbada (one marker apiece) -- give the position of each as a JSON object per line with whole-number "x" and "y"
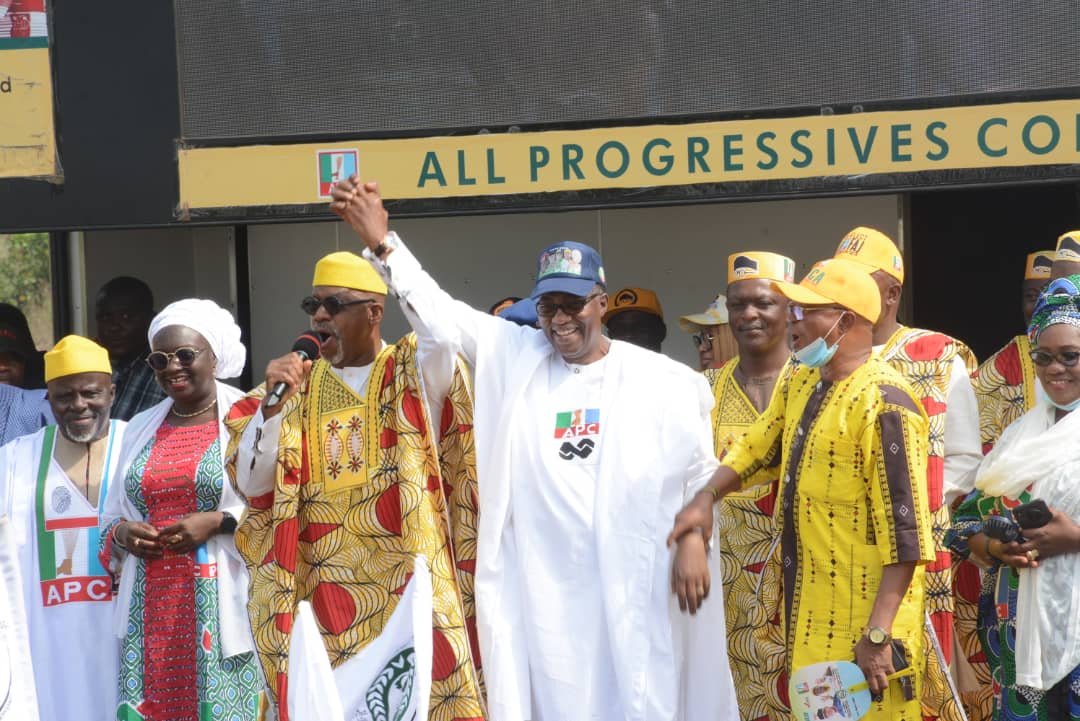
{"x": 232, "y": 580}
{"x": 581, "y": 622}
{"x": 68, "y": 595}
{"x": 1036, "y": 451}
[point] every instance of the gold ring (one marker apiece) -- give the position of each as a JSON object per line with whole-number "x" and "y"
{"x": 1033, "y": 554}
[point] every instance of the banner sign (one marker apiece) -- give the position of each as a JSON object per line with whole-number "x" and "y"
{"x": 27, "y": 137}
{"x": 735, "y": 151}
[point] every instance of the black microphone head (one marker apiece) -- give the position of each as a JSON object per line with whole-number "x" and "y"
{"x": 307, "y": 344}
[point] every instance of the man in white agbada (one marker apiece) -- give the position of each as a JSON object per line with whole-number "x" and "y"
{"x": 52, "y": 485}
{"x": 585, "y": 447}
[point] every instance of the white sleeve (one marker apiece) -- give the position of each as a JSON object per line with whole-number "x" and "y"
{"x": 444, "y": 327}
{"x": 963, "y": 445}
{"x": 703, "y": 462}
{"x": 256, "y": 456}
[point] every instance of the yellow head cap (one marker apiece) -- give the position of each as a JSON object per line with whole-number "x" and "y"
{"x": 837, "y": 281}
{"x": 75, "y": 354}
{"x": 641, "y": 299}
{"x": 348, "y": 270}
{"x": 873, "y": 248}
{"x": 1068, "y": 246}
{"x": 1038, "y": 265}
{"x": 759, "y": 264}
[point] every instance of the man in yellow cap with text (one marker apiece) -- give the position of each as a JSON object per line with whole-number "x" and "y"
{"x": 743, "y": 388}
{"x": 1066, "y": 255}
{"x": 52, "y": 486}
{"x": 345, "y": 492}
{"x": 711, "y": 334}
{"x": 938, "y": 367}
{"x": 849, "y": 439}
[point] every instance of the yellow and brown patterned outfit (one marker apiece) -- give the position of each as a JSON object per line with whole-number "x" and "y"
{"x": 359, "y": 493}
{"x": 747, "y": 542}
{"x": 925, "y": 358}
{"x": 852, "y": 500}
{"x": 1005, "y": 389}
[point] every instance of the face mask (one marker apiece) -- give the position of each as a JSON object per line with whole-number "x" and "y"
{"x": 818, "y": 353}
{"x": 1040, "y": 392}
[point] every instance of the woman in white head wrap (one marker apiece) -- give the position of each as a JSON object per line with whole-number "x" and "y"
{"x": 168, "y": 521}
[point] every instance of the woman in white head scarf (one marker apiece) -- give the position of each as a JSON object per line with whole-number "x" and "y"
{"x": 168, "y": 522}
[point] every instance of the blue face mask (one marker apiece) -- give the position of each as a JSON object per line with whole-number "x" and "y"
{"x": 1067, "y": 407}
{"x": 818, "y": 353}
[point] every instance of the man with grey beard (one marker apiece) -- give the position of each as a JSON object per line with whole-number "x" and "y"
{"x": 52, "y": 485}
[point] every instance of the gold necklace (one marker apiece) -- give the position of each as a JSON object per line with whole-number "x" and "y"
{"x": 199, "y": 412}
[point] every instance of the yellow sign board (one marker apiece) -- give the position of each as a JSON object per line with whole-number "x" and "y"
{"x": 27, "y": 137}
{"x": 982, "y": 136}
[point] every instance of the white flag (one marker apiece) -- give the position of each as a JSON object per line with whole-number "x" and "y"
{"x": 390, "y": 680}
{"x": 18, "y": 699}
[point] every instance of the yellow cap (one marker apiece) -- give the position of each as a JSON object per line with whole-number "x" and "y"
{"x": 348, "y": 270}
{"x": 75, "y": 354}
{"x": 1038, "y": 265}
{"x": 760, "y": 264}
{"x": 837, "y": 281}
{"x": 715, "y": 314}
{"x": 873, "y": 248}
{"x": 641, "y": 299}
{"x": 1068, "y": 246}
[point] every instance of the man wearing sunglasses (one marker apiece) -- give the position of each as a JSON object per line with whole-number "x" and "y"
{"x": 938, "y": 367}
{"x": 850, "y": 439}
{"x": 346, "y": 488}
{"x": 585, "y": 448}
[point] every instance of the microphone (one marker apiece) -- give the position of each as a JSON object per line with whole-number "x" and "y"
{"x": 307, "y": 347}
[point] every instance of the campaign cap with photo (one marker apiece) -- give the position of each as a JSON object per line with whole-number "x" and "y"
{"x": 568, "y": 267}
{"x": 641, "y": 299}
{"x": 750, "y": 264}
{"x": 1068, "y": 247}
{"x": 1038, "y": 265}
{"x": 836, "y": 281}
{"x": 873, "y": 248}
{"x": 715, "y": 314}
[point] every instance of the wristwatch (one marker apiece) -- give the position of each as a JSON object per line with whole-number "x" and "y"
{"x": 228, "y": 523}
{"x": 877, "y": 636}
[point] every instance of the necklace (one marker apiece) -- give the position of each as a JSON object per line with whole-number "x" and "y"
{"x": 759, "y": 381}
{"x": 199, "y": 412}
{"x": 88, "y": 458}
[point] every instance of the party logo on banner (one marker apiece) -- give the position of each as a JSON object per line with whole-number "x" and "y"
{"x": 335, "y": 165}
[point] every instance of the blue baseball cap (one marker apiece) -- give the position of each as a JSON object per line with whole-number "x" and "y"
{"x": 568, "y": 267}
{"x": 523, "y": 312}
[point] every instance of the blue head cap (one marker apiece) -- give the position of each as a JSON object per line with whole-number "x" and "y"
{"x": 568, "y": 267}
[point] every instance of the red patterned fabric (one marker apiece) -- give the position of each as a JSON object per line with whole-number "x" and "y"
{"x": 168, "y": 487}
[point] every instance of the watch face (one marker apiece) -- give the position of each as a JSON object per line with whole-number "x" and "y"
{"x": 877, "y": 636}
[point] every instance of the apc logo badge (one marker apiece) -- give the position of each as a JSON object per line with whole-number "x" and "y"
{"x": 335, "y": 165}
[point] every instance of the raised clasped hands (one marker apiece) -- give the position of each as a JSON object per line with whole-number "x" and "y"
{"x": 360, "y": 205}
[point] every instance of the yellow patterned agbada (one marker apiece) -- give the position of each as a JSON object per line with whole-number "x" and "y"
{"x": 852, "y": 500}
{"x": 359, "y": 493}
{"x": 749, "y": 565}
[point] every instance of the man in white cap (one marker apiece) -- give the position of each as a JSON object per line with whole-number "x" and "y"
{"x": 52, "y": 486}
{"x": 585, "y": 448}
{"x": 711, "y": 334}
{"x": 850, "y": 439}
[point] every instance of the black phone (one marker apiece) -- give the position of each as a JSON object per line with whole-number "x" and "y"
{"x": 900, "y": 662}
{"x": 1034, "y": 514}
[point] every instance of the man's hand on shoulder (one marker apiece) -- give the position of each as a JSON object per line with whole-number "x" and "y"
{"x": 360, "y": 205}
{"x": 289, "y": 368}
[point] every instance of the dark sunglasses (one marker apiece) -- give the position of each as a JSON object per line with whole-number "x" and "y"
{"x": 1068, "y": 358}
{"x": 159, "y": 360}
{"x": 548, "y": 309}
{"x": 700, "y": 338}
{"x": 333, "y": 304}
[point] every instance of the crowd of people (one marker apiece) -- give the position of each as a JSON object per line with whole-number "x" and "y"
{"x": 589, "y": 529}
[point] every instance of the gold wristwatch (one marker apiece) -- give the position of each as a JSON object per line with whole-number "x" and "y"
{"x": 877, "y": 636}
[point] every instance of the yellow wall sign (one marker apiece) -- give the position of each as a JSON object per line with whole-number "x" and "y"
{"x": 984, "y": 136}
{"x": 27, "y": 138}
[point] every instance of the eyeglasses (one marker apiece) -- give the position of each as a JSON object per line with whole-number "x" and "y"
{"x": 159, "y": 360}
{"x": 700, "y": 338}
{"x": 548, "y": 309}
{"x": 333, "y": 304}
{"x": 798, "y": 312}
{"x": 1067, "y": 358}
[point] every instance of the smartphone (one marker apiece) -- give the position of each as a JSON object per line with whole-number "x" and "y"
{"x": 1034, "y": 514}
{"x": 900, "y": 662}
